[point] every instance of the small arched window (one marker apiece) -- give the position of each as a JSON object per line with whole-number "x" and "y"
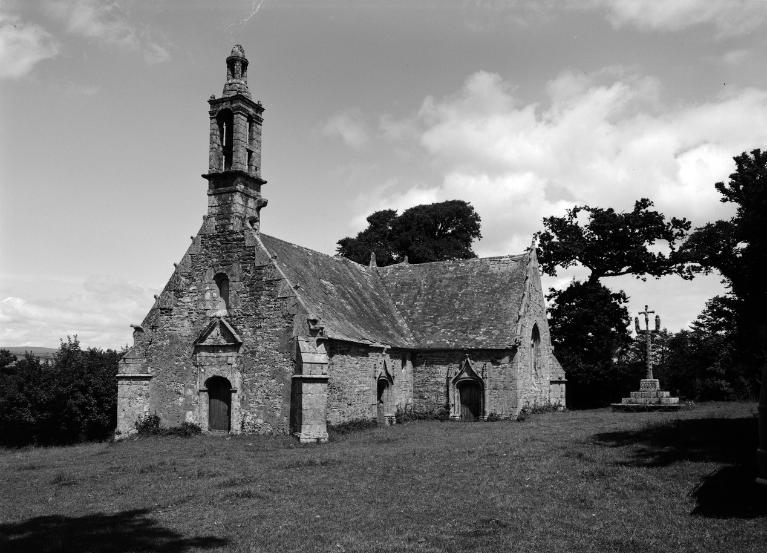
{"x": 535, "y": 349}
{"x": 222, "y": 282}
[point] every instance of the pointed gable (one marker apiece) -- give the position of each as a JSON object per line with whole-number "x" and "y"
{"x": 467, "y": 372}
{"x": 218, "y": 333}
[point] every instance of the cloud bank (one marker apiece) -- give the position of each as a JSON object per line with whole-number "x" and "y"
{"x": 98, "y": 311}
{"x": 729, "y": 17}
{"x": 601, "y": 139}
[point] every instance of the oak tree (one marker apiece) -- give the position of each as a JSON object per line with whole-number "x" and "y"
{"x": 432, "y": 232}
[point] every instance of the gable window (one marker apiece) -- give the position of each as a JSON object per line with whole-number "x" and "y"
{"x": 222, "y": 282}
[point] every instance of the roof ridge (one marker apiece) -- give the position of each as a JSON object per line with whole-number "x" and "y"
{"x": 514, "y": 257}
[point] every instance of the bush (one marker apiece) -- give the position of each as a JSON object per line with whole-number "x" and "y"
{"x": 408, "y": 415}
{"x": 538, "y": 409}
{"x": 148, "y": 425}
{"x": 71, "y": 399}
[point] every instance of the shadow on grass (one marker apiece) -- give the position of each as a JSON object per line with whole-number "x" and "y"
{"x": 729, "y": 491}
{"x": 731, "y": 441}
{"x": 98, "y": 533}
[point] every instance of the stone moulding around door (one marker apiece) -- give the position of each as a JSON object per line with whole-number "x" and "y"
{"x": 466, "y": 375}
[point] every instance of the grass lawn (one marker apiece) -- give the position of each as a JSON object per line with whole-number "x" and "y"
{"x": 575, "y": 481}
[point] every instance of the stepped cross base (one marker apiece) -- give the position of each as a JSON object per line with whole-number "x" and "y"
{"x": 649, "y": 398}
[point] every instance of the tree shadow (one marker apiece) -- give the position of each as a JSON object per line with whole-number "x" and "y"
{"x": 730, "y": 440}
{"x": 122, "y": 532}
{"x": 729, "y": 491}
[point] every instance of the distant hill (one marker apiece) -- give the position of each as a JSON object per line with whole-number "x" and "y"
{"x": 42, "y": 353}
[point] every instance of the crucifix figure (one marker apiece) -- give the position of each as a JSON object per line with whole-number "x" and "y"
{"x": 648, "y": 332}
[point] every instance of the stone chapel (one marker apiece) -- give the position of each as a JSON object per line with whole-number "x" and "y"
{"x": 255, "y": 334}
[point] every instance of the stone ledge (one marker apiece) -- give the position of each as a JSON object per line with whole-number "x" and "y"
{"x": 135, "y": 376}
{"x": 638, "y": 407}
{"x": 649, "y": 384}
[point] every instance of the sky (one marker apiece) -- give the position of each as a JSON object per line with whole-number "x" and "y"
{"x": 522, "y": 108}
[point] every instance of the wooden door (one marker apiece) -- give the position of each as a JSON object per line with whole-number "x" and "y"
{"x": 220, "y": 397}
{"x": 471, "y": 401}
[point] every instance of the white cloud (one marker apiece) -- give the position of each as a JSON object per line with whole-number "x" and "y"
{"x": 729, "y": 17}
{"x": 22, "y": 46}
{"x": 350, "y": 126}
{"x": 108, "y": 23}
{"x": 154, "y": 53}
{"x": 600, "y": 139}
{"x": 99, "y": 311}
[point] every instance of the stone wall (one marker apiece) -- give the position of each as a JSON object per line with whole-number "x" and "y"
{"x": 434, "y": 370}
{"x": 259, "y": 369}
{"x": 401, "y": 367}
{"x": 352, "y": 382}
{"x": 354, "y": 371}
{"x": 534, "y": 375}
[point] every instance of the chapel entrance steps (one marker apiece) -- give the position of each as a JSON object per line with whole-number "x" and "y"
{"x": 649, "y": 398}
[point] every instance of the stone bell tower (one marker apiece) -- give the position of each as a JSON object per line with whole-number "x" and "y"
{"x": 234, "y": 167}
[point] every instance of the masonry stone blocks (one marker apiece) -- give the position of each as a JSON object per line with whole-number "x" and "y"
{"x": 253, "y": 334}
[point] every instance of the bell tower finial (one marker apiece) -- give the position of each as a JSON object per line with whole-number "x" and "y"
{"x": 236, "y": 73}
{"x": 234, "y": 160}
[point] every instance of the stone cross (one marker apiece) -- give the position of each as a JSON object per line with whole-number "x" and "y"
{"x": 648, "y": 332}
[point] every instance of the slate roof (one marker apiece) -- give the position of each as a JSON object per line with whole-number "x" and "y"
{"x": 347, "y": 297}
{"x": 468, "y": 303}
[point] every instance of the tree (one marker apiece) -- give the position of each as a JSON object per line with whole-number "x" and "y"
{"x": 737, "y": 248}
{"x": 610, "y": 243}
{"x": 698, "y": 363}
{"x": 589, "y": 323}
{"x": 6, "y": 358}
{"x": 72, "y": 399}
{"x": 588, "y": 326}
{"x": 377, "y": 237}
{"x": 433, "y": 232}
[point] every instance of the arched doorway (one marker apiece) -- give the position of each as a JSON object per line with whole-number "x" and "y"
{"x": 470, "y": 393}
{"x": 219, "y": 404}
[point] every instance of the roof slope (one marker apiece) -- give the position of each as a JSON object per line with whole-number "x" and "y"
{"x": 467, "y": 303}
{"x": 347, "y": 297}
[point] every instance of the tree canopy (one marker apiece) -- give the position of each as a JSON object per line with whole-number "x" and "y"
{"x": 73, "y": 398}
{"x": 609, "y": 243}
{"x": 433, "y": 232}
{"x": 588, "y": 326}
{"x": 737, "y": 248}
